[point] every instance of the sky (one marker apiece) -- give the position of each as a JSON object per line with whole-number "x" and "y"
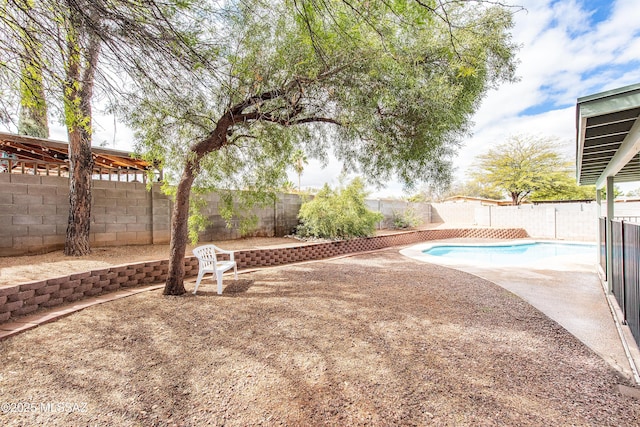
{"x": 568, "y": 49}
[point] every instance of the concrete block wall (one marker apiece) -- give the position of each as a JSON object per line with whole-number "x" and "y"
{"x": 566, "y": 221}
{"x": 578, "y": 224}
{"x": 539, "y": 219}
{"x": 34, "y": 214}
{"x": 122, "y": 214}
{"x": 217, "y": 229}
{"x": 161, "y": 207}
{"x": 278, "y": 218}
{"x": 454, "y": 213}
{"x": 624, "y": 209}
{"x": 286, "y": 213}
{"x": 23, "y": 299}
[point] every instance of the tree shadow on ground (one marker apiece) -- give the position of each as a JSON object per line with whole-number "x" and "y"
{"x": 230, "y": 287}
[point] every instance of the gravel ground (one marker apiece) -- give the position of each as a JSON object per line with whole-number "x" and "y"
{"x": 373, "y": 339}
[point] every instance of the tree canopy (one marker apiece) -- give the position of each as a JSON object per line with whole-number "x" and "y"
{"x": 565, "y": 187}
{"x": 399, "y": 82}
{"x": 526, "y": 167}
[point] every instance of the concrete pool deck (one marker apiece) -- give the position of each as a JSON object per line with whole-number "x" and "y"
{"x": 567, "y": 290}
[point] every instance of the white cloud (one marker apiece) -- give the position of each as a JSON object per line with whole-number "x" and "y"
{"x": 563, "y": 57}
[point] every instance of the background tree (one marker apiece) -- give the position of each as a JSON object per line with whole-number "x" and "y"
{"x": 33, "y": 120}
{"x": 53, "y": 48}
{"x": 565, "y": 187}
{"x": 80, "y": 56}
{"x": 288, "y": 187}
{"x": 53, "y": 38}
{"x": 475, "y": 188}
{"x": 396, "y": 81}
{"x": 471, "y": 188}
{"x": 522, "y": 166}
{"x": 633, "y": 193}
{"x": 299, "y": 159}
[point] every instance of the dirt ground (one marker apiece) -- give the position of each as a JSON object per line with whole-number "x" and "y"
{"x": 22, "y": 269}
{"x": 373, "y": 339}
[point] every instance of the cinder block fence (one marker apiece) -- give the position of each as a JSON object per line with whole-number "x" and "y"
{"x": 34, "y": 212}
{"x": 19, "y": 300}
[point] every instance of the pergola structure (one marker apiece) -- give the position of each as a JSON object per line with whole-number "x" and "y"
{"x": 38, "y": 156}
{"x": 608, "y": 143}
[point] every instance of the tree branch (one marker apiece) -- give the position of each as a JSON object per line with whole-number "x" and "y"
{"x": 258, "y": 116}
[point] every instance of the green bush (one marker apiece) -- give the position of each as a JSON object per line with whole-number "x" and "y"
{"x": 407, "y": 218}
{"x": 338, "y": 214}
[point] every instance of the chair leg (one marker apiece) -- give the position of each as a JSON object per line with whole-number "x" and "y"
{"x": 200, "y": 274}
{"x": 235, "y": 270}
{"x": 219, "y": 280}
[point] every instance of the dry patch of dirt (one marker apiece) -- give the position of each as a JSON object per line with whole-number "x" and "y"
{"x": 373, "y": 339}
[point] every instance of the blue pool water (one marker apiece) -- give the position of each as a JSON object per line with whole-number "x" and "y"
{"x": 512, "y": 254}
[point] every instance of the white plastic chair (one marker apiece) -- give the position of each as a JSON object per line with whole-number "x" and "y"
{"x": 208, "y": 263}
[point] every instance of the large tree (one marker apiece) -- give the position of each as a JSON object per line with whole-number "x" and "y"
{"x": 522, "y": 166}
{"x": 389, "y": 87}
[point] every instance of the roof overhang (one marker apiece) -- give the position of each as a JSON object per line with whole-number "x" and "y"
{"x": 608, "y": 136}
{"x": 47, "y": 151}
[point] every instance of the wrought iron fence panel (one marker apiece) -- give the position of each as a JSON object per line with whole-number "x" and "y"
{"x": 617, "y": 262}
{"x": 631, "y": 281}
{"x": 603, "y": 245}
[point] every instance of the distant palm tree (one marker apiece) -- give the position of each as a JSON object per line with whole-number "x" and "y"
{"x": 299, "y": 160}
{"x": 288, "y": 187}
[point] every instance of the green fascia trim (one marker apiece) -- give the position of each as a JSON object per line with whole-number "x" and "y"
{"x": 620, "y": 99}
{"x": 608, "y": 93}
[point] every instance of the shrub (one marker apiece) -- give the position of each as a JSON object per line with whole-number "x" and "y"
{"x": 405, "y": 219}
{"x": 338, "y": 214}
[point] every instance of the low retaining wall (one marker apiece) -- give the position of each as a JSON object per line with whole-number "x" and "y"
{"x": 26, "y": 298}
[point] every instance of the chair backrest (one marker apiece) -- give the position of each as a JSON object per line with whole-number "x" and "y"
{"x": 205, "y": 253}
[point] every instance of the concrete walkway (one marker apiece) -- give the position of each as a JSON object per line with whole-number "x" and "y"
{"x": 566, "y": 289}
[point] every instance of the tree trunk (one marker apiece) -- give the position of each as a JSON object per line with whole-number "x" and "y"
{"x": 80, "y": 168}
{"x": 179, "y": 233}
{"x": 180, "y": 216}
{"x": 78, "y": 91}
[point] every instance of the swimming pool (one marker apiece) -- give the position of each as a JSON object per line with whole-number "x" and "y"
{"x": 508, "y": 254}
